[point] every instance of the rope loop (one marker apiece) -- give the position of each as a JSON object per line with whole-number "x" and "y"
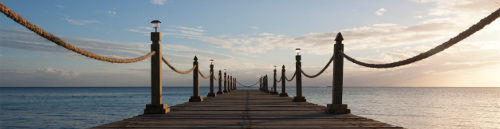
{"x": 204, "y": 76}
{"x": 250, "y": 85}
{"x": 278, "y": 80}
{"x": 289, "y": 80}
{"x": 178, "y": 71}
{"x": 320, "y": 72}
{"x": 473, "y": 29}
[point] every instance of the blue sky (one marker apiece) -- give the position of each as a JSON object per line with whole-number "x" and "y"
{"x": 248, "y": 38}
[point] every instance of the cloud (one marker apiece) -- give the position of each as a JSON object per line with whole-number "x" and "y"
{"x": 380, "y": 12}
{"x": 254, "y": 27}
{"x": 158, "y": 2}
{"x": 78, "y": 22}
{"x": 53, "y": 73}
{"x": 112, "y": 13}
{"x": 60, "y": 6}
{"x": 419, "y": 16}
{"x": 189, "y": 29}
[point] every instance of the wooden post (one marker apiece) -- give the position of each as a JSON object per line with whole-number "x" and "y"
{"x": 225, "y": 82}
{"x": 283, "y": 80}
{"x": 220, "y": 83}
{"x": 230, "y": 83}
{"x": 338, "y": 72}
{"x": 212, "y": 93}
{"x": 298, "y": 79}
{"x": 196, "y": 88}
{"x": 260, "y": 83}
{"x": 274, "y": 82}
{"x": 235, "y": 84}
{"x": 156, "y": 106}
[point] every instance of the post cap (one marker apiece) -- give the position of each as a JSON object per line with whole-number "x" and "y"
{"x": 339, "y": 37}
{"x": 283, "y": 66}
{"x": 195, "y": 58}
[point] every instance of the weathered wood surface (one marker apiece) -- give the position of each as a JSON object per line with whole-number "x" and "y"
{"x": 247, "y": 109}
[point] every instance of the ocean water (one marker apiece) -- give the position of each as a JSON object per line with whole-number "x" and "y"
{"x": 51, "y": 107}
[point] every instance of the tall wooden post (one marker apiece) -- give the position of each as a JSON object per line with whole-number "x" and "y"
{"x": 338, "y": 72}
{"x": 212, "y": 93}
{"x": 230, "y": 84}
{"x": 196, "y": 88}
{"x": 274, "y": 82}
{"x": 220, "y": 83}
{"x": 156, "y": 106}
{"x": 298, "y": 79}
{"x": 225, "y": 81}
{"x": 283, "y": 80}
{"x": 235, "y": 82}
{"x": 260, "y": 83}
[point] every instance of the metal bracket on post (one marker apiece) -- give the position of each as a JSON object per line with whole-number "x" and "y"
{"x": 338, "y": 72}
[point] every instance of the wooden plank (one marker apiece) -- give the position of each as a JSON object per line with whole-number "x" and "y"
{"x": 247, "y": 109}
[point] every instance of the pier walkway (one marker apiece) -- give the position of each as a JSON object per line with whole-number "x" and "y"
{"x": 247, "y": 109}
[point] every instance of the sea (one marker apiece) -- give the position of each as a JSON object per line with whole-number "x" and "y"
{"x": 409, "y": 107}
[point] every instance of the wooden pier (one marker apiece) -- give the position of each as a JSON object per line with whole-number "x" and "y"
{"x": 247, "y": 109}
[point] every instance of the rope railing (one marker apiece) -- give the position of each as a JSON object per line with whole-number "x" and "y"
{"x": 17, "y": 18}
{"x": 320, "y": 72}
{"x": 278, "y": 80}
{"x": 204, "y": 76}
{"x": 473, "y": 29}
{"x": 250, "y": 85}
{"x": 217, "y": 79}
{"x": 174, "y": 69}
{"x": 289, "y": 80}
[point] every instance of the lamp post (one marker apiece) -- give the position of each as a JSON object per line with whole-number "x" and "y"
{"x": 298, "y": 79}
{"x": 156, "y": 106}
{"x": 338, "y": 71}
{"x": 260, "y": 83}
{"x": 212, "y": 93}
{"x": 274, "y": 82}
{"x": 283, "y": 80}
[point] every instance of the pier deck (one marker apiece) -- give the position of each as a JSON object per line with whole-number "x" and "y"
{"x": 247, "y": 109}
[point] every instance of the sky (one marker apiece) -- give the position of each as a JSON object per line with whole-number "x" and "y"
{"x": 248, "y": 38}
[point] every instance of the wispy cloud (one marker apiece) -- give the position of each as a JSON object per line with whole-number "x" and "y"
{"x": 77, "y": 22}
{"x": 254, "y": 27}
{"x": 190, "y": 29}
{"x": 380, "y": 12}
{"x": 158, "y": 2}
{"x": 60, "y": 6}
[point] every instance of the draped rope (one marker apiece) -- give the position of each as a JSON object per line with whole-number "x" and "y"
{"x": 216, "y": 79}
{"x": 473, "y": 29}
{"x": 278, "y": 80}
{"x": 178, "y": 71}
{"x": 248, "y": 86}
{"x": 17, "y": 18}
{"x": 204, "y": 76}
{"x": 289, "y": 80}
{"x": 320, "y": 72}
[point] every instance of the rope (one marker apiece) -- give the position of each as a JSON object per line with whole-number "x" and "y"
{"x": 320, "y": 72}
{"x": 216, "y": 79}
{"x": 16, "y": 17}
{"x": 278, "y": 80}
{"x": 289, "y": 80}
{"x": 204, "y": 76}
{"x": 250, "y": 85}
{"x": 473, "y": 29}
{"x": 171, "y": 67}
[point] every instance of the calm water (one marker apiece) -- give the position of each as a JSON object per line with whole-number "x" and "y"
{"x": 407, "y": 107}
